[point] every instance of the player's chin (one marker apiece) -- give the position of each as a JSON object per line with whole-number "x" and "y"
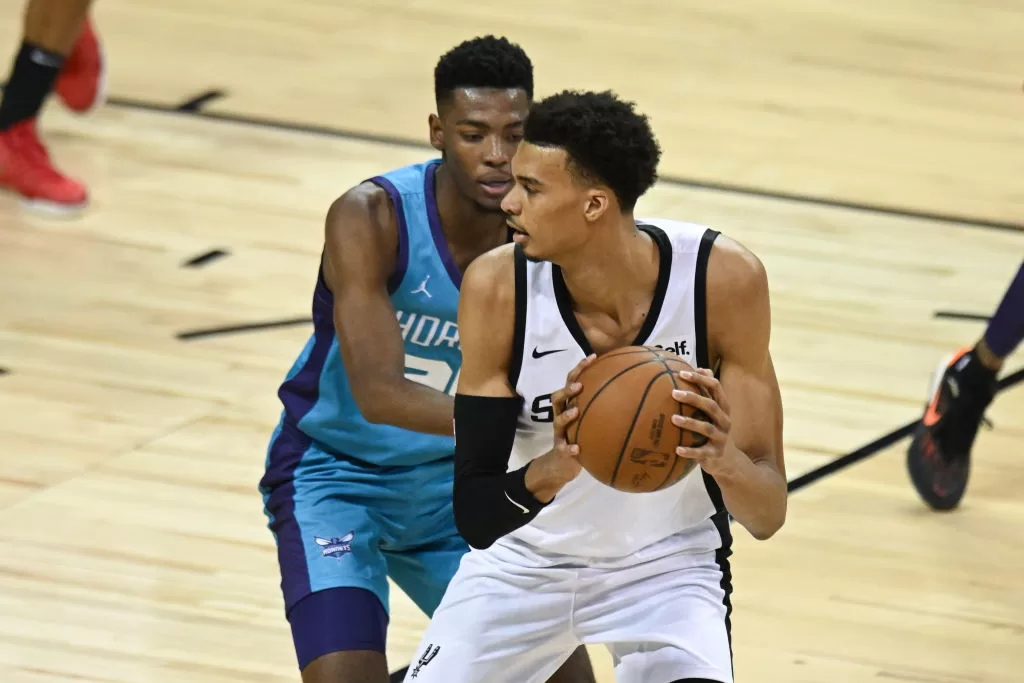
{"x": 489, "y": 203}
{"x": 531, "y": 250}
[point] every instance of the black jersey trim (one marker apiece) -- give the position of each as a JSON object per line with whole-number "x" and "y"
{"x": 700, "y": 297}
{"x": 515, "y": 365}
{"x": 564, "y": 300}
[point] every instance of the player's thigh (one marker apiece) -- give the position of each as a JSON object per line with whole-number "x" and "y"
{"x": 498, "y": 626}
{"x": 428, "y": 546}
{"x": 424, "y": 573}
{"x": 664, "y": 621}
{"x": 328, "y": 539}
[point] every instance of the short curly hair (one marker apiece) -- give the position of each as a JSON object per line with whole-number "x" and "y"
{"x": 483, "y": 62}
{"x": 606, "y": 140}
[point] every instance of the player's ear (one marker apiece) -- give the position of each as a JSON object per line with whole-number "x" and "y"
{"x": 597, "y": 203}
{"x": 436, "y": 132}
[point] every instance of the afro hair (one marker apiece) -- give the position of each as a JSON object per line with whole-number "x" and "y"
{"x": 483, "y": 62}
{"x": 606, "y": 140}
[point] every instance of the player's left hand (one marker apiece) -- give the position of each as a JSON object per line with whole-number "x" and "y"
{"x": 715, "y": 456}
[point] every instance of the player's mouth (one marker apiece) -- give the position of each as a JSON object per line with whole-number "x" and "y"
{"x": 518, "y": 235}
{"x": 496, "y": 186}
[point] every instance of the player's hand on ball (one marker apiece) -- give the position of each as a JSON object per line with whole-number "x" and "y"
{"x": 548, "y": 473}
{"x": 714, "y": 457}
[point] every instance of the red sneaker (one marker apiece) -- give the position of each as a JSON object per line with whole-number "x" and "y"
{"x": 25, "y": 168}
{"x": 82, "y": 83}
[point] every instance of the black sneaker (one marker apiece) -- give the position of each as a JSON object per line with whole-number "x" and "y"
{"x": 939, "y": 457}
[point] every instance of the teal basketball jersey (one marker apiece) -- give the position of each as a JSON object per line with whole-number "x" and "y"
{"x": 424, "y": 290}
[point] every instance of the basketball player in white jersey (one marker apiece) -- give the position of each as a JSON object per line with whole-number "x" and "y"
{"x": 559, "y": 558}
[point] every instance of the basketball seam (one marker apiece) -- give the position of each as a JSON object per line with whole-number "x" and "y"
{"x": 632, "y": 424}
{"x": 679, "y": 411}
{"x": 579, "y": 422}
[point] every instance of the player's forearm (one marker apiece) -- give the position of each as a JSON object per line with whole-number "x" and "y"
{"x": 488, "y": 501}
{"x": 489, "y": 506}
{"x": 405, "y": 404}
{"x": 755, "y": 495}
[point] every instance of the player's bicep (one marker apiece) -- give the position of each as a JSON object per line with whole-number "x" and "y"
{"x": 486, "y": 325}
{"x": 755, "y": 402}
{"x": 739, "y": 314}
{"x": 360, "y": 254}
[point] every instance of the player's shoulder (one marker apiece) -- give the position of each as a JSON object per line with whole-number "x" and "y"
{"x": 734, "y": 270}
{"x": 364, "y": 207}
{"x": 489, "y": 281}
{"x": 493, "y": 271}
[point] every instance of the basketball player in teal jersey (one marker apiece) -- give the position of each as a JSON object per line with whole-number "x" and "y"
{"x": 359, "y": 474}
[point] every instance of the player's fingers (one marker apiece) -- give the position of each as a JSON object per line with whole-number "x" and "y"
{"x": 705, "y": 379}
{"x": 564, "y": 418}
{"x": 702, "y": 403}
{"x": 570, "y": 450}
{"x": 575, "y": 373}
{"x": 562, "y": 399}
{"x": 699, "y": 453}
{"x": 697, "y": 426}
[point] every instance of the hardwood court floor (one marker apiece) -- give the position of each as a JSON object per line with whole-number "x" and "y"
{"x": 132, "y": 542}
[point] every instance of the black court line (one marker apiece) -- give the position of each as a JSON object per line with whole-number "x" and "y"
{"x": 955, "y": 315}
{"x": 205, "y": 258}
{"x": 669, "y": 180}
{"x": 208, "y": 332}
{"x": 399, "y": 676}
{"x": 878, "y": 444}
{"x": 199, "y": 101}
{"x": 193, "y": 107}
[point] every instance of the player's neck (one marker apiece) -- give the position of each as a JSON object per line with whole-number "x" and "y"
{"x": 466, "y": 226}
{"x": 618, "y": 266}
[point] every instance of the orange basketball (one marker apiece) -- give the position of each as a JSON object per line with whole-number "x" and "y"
{"x": 624, "y": 430}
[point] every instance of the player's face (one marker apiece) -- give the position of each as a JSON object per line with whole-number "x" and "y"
{"x": 547, "y": 208}
{"x": 478, "y": 132}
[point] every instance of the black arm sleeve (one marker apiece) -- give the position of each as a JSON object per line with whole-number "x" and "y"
{"x": 489, "y": 500}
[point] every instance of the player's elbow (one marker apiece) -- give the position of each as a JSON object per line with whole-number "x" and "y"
{"x": 371, "y": 396}
{"x": 475, "y": 540}
{"x": 763, "y": 533}
{"x": 768, "y": 524}
{"x": 469, "y": 522}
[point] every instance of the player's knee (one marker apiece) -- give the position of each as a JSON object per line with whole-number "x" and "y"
{"x": 338, "y": 621}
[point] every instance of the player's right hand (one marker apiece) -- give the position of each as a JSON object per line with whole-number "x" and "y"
{"x": 548, "y": 473}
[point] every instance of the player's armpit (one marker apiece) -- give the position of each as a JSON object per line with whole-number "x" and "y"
{"x": 739, "y": 330}
{"x": 361, "y": 246}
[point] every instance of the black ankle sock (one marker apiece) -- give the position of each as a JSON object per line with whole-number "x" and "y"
{"x": 977, "y": 377}
{"x": 32, "y": 78}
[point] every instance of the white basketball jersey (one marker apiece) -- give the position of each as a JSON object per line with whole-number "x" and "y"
{"x": 587, "y": 518}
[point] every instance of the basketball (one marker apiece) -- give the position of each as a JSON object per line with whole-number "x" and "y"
{"x": 624, "y": 430}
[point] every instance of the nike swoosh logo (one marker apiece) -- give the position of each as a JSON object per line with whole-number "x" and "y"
{"x": 525, "y": 510}
{"x": 541, "y": 354}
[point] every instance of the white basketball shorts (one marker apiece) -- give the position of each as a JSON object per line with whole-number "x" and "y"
{"x": 508, "y": 619}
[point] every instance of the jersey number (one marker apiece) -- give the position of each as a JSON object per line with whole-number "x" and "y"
{"x": 435, "y": 374}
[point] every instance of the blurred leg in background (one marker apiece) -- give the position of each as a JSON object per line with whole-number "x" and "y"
{"x": 939, "y": 457}
{"x": 59, "y": 52}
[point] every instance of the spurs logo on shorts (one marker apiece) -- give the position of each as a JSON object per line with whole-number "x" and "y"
{"x": 427, "y": 656}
